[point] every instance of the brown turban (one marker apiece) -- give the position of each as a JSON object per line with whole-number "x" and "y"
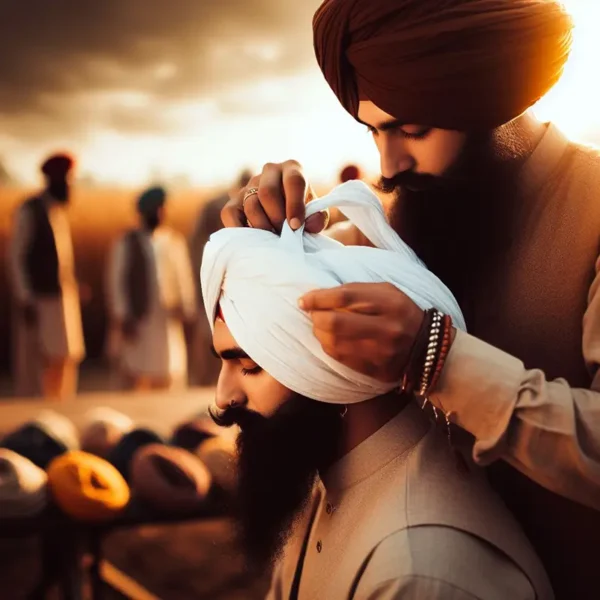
{"x": 57, "y": 166}
{"x": 452, "y": 64}
{"x": 350, "y": 173}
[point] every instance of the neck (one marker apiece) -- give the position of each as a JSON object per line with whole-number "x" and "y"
{"x": 514, "y": 143}
{"x": 365, "y": 418}
{"x": 150, "y": 227}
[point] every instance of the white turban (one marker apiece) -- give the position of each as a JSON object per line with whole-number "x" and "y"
{"x": 257, "y": 278}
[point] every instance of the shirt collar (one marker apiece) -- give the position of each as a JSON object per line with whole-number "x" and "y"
{"x": 539, "y": 167}
{"x": 394, "y": 439}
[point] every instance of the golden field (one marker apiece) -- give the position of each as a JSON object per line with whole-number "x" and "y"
{"x": 98, "y": 216}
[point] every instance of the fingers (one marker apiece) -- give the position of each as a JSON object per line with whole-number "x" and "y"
{"x": 295, "y": 189}
{"x": 271, "y": 195}
{"x": 232, "y": 214}
{"x": 331, "y": 326}
{"x": 316, "y": 223}
{"x": 282, "y": 192}
{"x": 256, "y": 215}
{"x": 353, "y": 296}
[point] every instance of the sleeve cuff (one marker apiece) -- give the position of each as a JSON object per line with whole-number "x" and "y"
{"x": 478, "y": 391}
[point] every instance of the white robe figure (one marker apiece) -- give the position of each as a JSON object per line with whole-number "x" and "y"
{"x": 157, "y": 355}
{"x": 45, "y": 355}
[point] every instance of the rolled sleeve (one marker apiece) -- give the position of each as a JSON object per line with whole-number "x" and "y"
{"x": 479, "y": 390}
{"x": 546, "y": 429}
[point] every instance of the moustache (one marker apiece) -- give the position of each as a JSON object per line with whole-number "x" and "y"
{"x": 236, "y": 415}
{"x": 418, "y": 182}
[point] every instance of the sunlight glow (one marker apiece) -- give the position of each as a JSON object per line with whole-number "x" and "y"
{"x": 280, "y": 118}
{"x": 574, "y": 104}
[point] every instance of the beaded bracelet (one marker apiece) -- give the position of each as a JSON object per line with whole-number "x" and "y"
{"x": 433, "y": 347}
{"x": 443, "y": 353}
{"x": 416, "y": 357}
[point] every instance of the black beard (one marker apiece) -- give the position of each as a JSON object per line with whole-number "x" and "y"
{"x": 151, "y": 221}
{"x": 460, "y": 224}
{"x": 60, "y": 191}
{"x": 278, "y": 461}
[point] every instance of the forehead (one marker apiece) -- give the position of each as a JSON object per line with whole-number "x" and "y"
{"x": 371, "y": 114}
{"x": 222, "y": 338}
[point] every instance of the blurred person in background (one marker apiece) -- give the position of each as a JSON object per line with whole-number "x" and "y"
{"x": 350, "y": 173}
{"x": 48, "y": 343}
{"x": 204, "y": 367}
{"x": 337, "y": 225}
{"x": 151, "y": 300}
{"x": 504, "y": 209}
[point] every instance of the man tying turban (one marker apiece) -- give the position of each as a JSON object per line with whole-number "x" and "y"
{"x": 458, "y": 64}
{"x": 341, "y": 478}
{"x": 504, "y": 210}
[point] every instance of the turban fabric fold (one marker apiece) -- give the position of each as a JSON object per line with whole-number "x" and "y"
{"x": 257, "y": 277}
{"x": 451, "y": 64}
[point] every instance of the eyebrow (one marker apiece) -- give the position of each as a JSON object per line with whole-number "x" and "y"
{"x": 230, "y": 353}
{"x": 386, "y": 125}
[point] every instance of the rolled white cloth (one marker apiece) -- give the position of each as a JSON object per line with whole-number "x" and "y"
{"x": 257, "y": 278}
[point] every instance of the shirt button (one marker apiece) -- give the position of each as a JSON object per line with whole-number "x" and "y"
{"x": 319, "y": 546}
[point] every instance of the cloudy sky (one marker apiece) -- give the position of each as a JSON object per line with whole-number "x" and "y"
{"x": 200, "y": 88}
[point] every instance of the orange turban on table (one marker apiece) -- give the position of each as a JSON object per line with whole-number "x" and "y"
{"x": 87, "y": 487}
{"x": 451, "y": 64}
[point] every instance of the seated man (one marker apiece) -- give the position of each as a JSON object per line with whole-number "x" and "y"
{"x": 345, "y": 483}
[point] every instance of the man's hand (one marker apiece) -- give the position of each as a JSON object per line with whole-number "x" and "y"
{"x": 369, "y": 327}
{"x": 282, "y": 193}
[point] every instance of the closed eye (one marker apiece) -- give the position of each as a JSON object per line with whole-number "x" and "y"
{"x": 399, "y": 128}
{"x": 254, "y": 371}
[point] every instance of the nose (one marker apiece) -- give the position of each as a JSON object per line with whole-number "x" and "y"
{"x": 393, "y": 155}
{"x": 228, "y": 393}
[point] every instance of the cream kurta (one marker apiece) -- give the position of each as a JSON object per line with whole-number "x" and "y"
{"x": 59, "y": 333}
{"x": 159, "y": 350}
{"x": 396, "y": 519}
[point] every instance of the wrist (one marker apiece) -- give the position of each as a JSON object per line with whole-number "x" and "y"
{"x": 429, "y": 353}
{"x": 413, "y": 367}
